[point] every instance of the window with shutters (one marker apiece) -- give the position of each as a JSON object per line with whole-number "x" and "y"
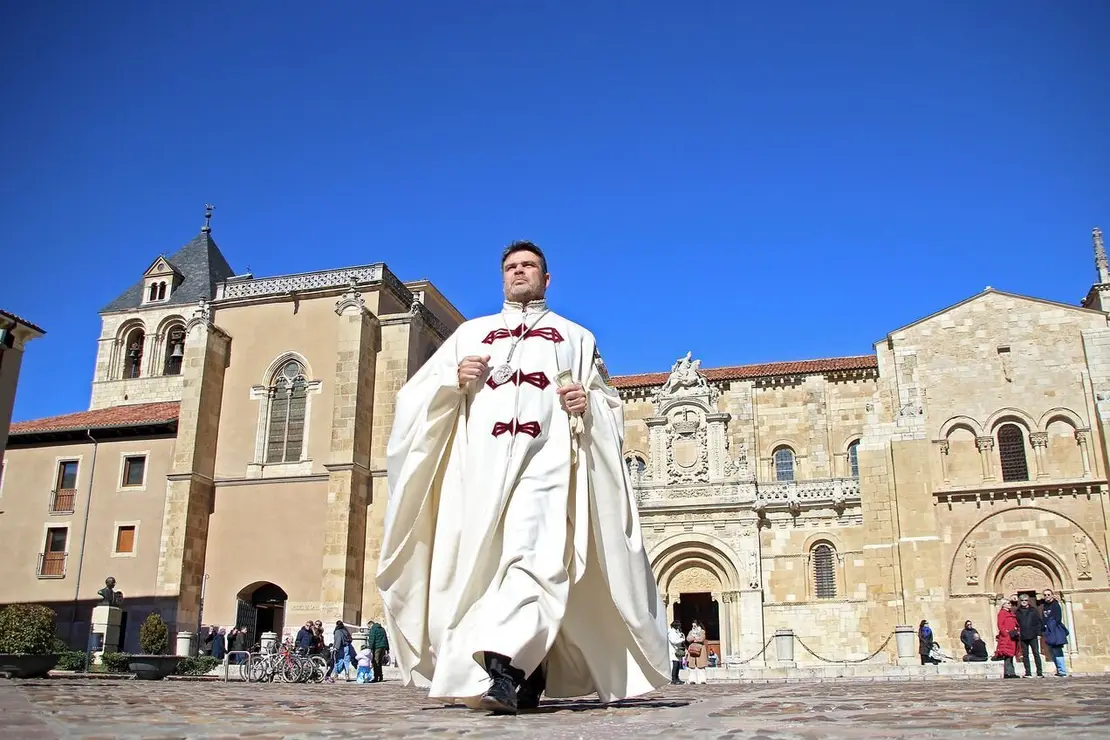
{"x": 285, "y": 428}
{"x": 853, "y": 459}
{"x": 1011, "y": 452}
{"x": 125, "y": 539}
{"x": 823, "y": 558}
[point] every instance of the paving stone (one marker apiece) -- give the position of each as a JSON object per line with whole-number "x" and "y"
{"x": 79, "y": 708}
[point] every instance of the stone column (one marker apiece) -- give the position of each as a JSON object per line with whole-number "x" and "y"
{"x": 352, "y": 417}
{"x": 657, "y": 456}
{"x": 942, "y": 446}
{"x": 718, "y": 428}
{"x": 985, "y": 446}
{"x": 724, "y": 617}
{"x": 1083, "y": 437}
{"x": 189, "y": 488}
{"x": 1039, "y": 441}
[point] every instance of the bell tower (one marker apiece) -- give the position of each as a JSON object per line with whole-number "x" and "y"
{"x": 143, "y": 333}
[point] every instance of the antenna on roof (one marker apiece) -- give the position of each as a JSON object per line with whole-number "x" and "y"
{"x": 208, "y": 208}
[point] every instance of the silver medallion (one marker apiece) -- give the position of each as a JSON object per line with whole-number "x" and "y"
{"x": 502, "y": 374}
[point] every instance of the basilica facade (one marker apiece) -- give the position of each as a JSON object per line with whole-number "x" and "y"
{"x": 230, "y": 467}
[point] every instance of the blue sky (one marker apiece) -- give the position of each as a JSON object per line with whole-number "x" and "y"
{"x": 752, "y": 182}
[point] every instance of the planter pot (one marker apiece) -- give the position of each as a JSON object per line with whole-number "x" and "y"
{"x": 27, "y": 666}
{"x": 153, "y": 667}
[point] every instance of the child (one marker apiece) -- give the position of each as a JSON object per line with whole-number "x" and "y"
{"x": 365, "y": 662}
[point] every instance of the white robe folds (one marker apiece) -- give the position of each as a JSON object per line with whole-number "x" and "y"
{"x": 499, "y": 537}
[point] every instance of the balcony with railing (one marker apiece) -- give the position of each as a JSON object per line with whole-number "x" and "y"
{"x": 52, "y": 564}
{"x": 62, "y": 500}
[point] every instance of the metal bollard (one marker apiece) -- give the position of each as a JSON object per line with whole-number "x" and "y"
{"x": 227, "y": 662}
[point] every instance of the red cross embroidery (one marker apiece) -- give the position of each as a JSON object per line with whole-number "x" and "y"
{"x": 538, "y": 379}
{"x": 531, "y": 428}
{"x": 549, "y": 333}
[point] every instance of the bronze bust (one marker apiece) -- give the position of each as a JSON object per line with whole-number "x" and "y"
{"x": 108, "y": 595}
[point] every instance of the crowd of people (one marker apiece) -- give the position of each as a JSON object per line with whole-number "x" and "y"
{"x": 1020, "y": 622}
{"x": 341, "y": 654}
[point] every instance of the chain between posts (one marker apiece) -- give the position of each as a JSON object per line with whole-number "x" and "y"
{"x": 858, "y": 660}
{"x": 749, "y": 660}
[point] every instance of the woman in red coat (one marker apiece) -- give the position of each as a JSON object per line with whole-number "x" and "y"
{"x": 1007, "y": 642}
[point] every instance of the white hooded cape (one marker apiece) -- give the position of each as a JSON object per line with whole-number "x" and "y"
{"x": 452, "y": 477}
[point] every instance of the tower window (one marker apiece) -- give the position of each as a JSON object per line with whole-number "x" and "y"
{"x": 1011, "y": 452}
{"x": 175, "y": 351}
{"x": 853, "y": 459}
{"x": 285, "y": 437}
{"x": 153, "y": 292}
{"x": 784, "y": 464}
{"x": 824, "y": 571}
{"x": 133, "y": 357}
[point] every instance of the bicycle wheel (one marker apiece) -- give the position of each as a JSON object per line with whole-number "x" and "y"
{"x": 319, "y": 669}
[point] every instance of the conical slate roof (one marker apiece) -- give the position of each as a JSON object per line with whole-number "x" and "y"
{"x": 202, "y": 265}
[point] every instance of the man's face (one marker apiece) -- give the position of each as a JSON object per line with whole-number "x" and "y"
{"x": 523, "y": 277}
{"x": 1048, "y": 595}
{"x": 1023, "y": 601}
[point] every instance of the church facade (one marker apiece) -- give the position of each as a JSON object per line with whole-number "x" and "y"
{"x": 230, "y": 467}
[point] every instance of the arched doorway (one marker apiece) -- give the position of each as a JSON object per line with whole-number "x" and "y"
{"x": 1029, "y": 575}
{"x": 261, "y": 608}
{"x": 693, "y": 592}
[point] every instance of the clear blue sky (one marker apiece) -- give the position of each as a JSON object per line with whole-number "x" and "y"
{"x": 749, "y": 182}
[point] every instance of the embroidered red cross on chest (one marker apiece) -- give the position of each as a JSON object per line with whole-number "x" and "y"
{"x": 550, "y": 333}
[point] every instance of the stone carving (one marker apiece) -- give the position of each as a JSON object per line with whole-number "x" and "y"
{"x": 202, "y": 316}
{"x": 108, "y": 595}
{"x": 1082, "y": 558}
{"x": 971, "y": 564}
{"x": 351, "y": 299}
{"x": 984, "y": 444}
{"x": 753, "y": 569}
{"x": 686, "y": 380}
{"x": 687, "y": 454}
{"x": 796, "y": 495}
{"x": 299, "y": 283}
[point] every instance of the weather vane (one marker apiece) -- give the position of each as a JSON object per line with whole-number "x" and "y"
{"x": 208, "y": 208}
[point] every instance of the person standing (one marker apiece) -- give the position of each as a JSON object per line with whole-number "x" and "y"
{"x": 677, "y": 641}
{"x": 1007, "y": 638}
{"x": 378, "y": 643}
{"x": 925, "y": 643}
{"x": 512, "y": 560}
{"x": 697, "y": 658}
{"x": 1055, "y": 632}
{"x": 1031, "y": 626}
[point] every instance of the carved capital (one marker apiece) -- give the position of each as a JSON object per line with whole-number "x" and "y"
{"x": 1038, "y": 439}
{"x": 351, "y": 301}
{"x": 942, "y": 445}
{"x": 984, "y": 443}
{"x": 1082, "y": 436}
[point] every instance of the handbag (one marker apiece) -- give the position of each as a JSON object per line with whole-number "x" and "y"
{"x": 694, "y": 650}
{"x": 1014, "y": 634}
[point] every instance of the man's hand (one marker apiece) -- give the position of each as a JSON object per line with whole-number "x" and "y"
{"x": 472, "y": 367}
{"x": 573, "y": 398}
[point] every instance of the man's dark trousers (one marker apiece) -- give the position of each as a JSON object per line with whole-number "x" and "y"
{"x": 1033, "y": 644}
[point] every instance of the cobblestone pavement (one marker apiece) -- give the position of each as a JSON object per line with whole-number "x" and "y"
{"x": 82, "y": 708}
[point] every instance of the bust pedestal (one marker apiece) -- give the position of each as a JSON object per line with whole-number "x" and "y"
{"x": 105, "y": 626}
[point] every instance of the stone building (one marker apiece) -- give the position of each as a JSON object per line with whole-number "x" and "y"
{"x": 230, "y": 468}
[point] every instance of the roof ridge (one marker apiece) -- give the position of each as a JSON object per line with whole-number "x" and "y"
{"x": 756, "y": 370}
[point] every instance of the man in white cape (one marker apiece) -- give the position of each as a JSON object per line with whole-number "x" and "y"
{"x": 512, "y": 560}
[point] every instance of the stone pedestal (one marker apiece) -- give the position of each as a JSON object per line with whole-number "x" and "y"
{"x": 185, "y": 644}
{"x": 269, "y": 639}
{"x": 905, "y": 641}
{"x": 784, "y": 648}
{"x": 105, "y": 627}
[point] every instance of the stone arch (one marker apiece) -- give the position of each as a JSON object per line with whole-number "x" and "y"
{"x": 260, "y": 607}
{"x": 1009, "y": 413}
{"x": 1064, "y": 573}
{"x": 284, "y": 357}
{"x": 1038, "y": 565}
{"x": 1061, "y": 414}
{"x": 168, "y": 322}
{"x": 695, "y": 550}
{"x": 960, "y": 422}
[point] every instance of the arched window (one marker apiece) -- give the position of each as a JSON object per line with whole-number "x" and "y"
{"x": 133, "y": 353}
{"x": 285, "y": 433}
{"x": 636, "y": 467}
{"x": 1011, "y": 451}
{"x": 153, "y": 292}
{"x": 175, "y": 350}
{"x": 784, "y": 464}
{"x": 824, "y": 571}
{"x": 853, "y": 459}
{"x": 161, "y": 291}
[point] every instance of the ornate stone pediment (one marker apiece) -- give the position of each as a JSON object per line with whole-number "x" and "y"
{"x": 685, "y": 381}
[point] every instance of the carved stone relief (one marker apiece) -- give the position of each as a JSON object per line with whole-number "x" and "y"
{"x": 971, "y": 564}
{"x": 1082, "y": 558}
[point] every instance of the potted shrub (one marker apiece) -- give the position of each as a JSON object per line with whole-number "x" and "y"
{"x": 154, "y": 638}
{"x": 27, "y": 640}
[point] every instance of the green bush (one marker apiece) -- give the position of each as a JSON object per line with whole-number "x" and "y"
{"x": 154, "y": 635}
{"x": 115, "y": 662}
{"x": 71, "y": 660}
{"x": 28, "y": 629}
{"x": 197, "y": 666}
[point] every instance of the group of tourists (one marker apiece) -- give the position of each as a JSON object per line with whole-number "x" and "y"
{"x": 341, "y": 654}
{"x": 1021, "y": 622}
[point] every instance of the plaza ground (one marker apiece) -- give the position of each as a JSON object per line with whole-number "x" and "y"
{"x": 1027, "y": 708}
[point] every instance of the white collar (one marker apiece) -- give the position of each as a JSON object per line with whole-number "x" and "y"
{"x": 531, "y": 307}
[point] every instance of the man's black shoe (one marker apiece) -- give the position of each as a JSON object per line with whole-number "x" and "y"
{"x": 529, "y": 693}
{"x": 501, "y": 696}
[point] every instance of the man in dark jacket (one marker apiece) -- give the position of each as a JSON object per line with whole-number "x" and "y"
{"x": 378, "y": 643}
{"x": 303, "y": 642}
{"x": 1031, "y": 626}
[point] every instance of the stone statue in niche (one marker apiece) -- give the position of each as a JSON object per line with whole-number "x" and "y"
{"x": 971, "y": 564}
{"x": 1082, "y": 558}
